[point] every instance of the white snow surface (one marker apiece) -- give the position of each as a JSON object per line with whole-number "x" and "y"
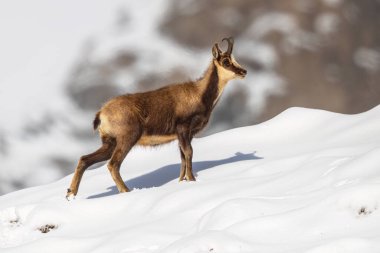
{"x": 305, "y": 181}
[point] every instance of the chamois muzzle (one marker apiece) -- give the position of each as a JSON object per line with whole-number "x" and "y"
{"x": 242, "y": 72}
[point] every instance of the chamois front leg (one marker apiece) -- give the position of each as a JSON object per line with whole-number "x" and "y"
{"x": 184, "y": 139}
{"x": 183, "y": 164}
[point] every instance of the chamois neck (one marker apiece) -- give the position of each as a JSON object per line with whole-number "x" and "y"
{"x": 204, "y": 81}
{"x": 211, "y": 85}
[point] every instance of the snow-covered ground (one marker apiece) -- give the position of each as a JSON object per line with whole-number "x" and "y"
{"x": 305, "y": 181}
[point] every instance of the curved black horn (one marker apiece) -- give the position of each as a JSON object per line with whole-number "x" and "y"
{"x": 217, "y": 47}
{"x": 230, "y": 41}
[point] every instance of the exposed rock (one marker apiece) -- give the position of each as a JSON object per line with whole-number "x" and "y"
{"x": 91, "y": 84}
{"x": 39, "y": 127}
{"x": 46, "y": 229}
{"x": 200, "y": 23}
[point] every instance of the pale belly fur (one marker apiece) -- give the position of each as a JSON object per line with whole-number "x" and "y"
{"x": 152, "y": 140}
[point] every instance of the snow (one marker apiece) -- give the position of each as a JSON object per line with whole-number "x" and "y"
{"x": 332, "y": 3}
{"x": 275, "y": 21}
{"x": 305, "y": 181}
{"x": 367, "y": 58}
{"x": 40, "y": 42}
{"x": 326, "y": 23}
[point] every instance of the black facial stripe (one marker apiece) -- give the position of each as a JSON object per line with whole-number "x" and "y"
{"x": 235, "y": 69}
{"x": 232, "y": 67}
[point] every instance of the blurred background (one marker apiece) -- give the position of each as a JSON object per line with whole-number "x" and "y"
{"x": 60, "y": 60}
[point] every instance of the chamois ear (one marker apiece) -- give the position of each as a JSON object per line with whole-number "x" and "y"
{"x": 216, "y": 52}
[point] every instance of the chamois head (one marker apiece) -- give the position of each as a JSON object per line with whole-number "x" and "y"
{"x": 226, "y": 63}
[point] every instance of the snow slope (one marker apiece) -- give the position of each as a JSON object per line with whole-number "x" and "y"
{"x": 305, "y": 181}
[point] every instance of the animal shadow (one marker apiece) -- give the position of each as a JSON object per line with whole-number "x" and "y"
{"x": 170, "y": 172}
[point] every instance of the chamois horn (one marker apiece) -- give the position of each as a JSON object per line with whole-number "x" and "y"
{"x": 230, "y": 41}
{"x": 217, "y": 47}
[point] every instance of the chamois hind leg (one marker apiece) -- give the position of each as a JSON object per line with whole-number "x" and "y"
{"x": 102, "y": 154}
{"x": 123, "y": 145}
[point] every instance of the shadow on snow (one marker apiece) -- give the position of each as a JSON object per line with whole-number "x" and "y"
{"x": 170, "y": 172}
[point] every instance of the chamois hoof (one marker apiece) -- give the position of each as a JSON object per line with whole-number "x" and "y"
{"x": 190, "y": 177}
{"x": 70, "y": 195}
{"x": 187, "y": 179}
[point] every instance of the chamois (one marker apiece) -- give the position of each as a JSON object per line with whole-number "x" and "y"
{"x": 160, "y": 116}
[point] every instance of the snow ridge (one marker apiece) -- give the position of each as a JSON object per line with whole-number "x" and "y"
{"x": 305, "y": 181}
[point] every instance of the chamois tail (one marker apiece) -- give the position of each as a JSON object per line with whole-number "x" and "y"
{"x": 96, "y": 121}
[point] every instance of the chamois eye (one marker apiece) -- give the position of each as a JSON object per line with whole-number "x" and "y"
{"x": 226, "y": 63}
